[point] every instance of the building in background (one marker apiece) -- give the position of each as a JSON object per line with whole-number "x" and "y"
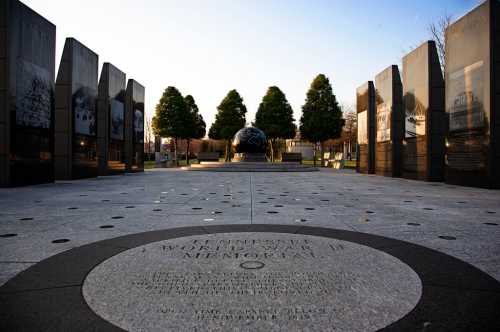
{"x": 296, "y": 145}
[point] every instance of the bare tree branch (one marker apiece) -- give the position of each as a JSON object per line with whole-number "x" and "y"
{"x": 438, "y": 34}
{"x": 148, "y": 134}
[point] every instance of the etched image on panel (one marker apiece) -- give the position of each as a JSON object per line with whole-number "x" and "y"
{"x": 84, "y": 111}
{"x": 467, "y": 108}
{"x": 84, "y": 91}
{"x": 34, "y": 95}
{"x": 117, "y": 119}
{"x": 414, "y": 115}
{"x": 139, "y": 126}
{"x": 383, "y": 122}
{"x": 362, "y": 127}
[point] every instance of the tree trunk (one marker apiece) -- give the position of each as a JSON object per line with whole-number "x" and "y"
{"x": 228, "y": 157}
{"x": 187, "y": 151}
{"x": 321, "y": 150}
{"x": 314, "y": 154}
{"x": 351, "y": 148}
{"x": 272, "y": 150}
{"x": 175, "y": 153}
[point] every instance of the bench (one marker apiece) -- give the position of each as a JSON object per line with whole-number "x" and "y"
{"x": 208, "y": 156}
{"x": 291, "y": 157}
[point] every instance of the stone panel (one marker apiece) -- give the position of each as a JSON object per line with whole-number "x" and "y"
{"x": 76, "y": 116}
{"x": 423, "y": 91}
{"x": 27, "y": 84}
{"x": 389, "y": 124}
{"x": 4, "y": 113}
{"x": 471, "y": 74}
{"x": 365, "y": 108}
{"x": 111, "y": 118}
{"x": 134, "y": 126}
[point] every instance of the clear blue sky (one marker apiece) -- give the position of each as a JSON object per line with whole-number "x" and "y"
{"x": 205, "y": 48}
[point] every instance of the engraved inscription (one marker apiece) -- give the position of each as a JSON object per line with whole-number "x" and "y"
{"x": 248, "y": 249}
{"x": 252, "y": 282}
{"x": 268, "y": 284}
{"x": 302, "y": 313}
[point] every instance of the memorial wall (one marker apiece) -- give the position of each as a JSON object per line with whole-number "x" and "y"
{"x": 423, "y": 96}
{"x": 134, "y": 125}
{"x": 111, "y": 118}
{"x": 365, "y": 108}
{"x": 76, "y": 116}
{"x": 472, "y": 70}
{"x": 389, "y": 122}
{"x": 27, "y": 63}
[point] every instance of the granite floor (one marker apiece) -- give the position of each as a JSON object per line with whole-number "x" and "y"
{"x": 40, "y": 221}
{"x": 419, "y": 256}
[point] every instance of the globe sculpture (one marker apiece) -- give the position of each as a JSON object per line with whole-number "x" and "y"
{"x": 250, "y": 144}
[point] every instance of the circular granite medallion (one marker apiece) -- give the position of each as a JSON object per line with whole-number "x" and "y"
{"x": 268, "y": 277}
{"x": 252, "y": 282}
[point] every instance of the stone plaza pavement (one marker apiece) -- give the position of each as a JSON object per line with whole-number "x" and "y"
{"x": 38, "y": 222}
{"x": 81, "y": 211}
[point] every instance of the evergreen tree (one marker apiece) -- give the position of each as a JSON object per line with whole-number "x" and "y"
{"x": 171, "y": 117}
{"x": 321, "y": 115}
{"x": 196, "y": 128}
{"x": 229, "y": 119}
{"x": 275, "y": 117}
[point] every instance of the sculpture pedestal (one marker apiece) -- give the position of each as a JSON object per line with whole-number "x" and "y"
{"x": 250, "y": 157}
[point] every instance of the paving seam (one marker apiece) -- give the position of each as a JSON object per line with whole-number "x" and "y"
{"x": 251, "y": 199}
{"x": 40, "y": 289}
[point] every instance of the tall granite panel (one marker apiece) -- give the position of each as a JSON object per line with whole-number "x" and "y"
{"x": 423, "y": 97}
{"x": 389, "y": 124}
{"x": 4, "y": 105}
{"x": 472, "y": 98}
{"x": 76, "y": 115}
{"x": 111, "y": 119}
{"x": 365, "y": 108}
{"x": 27, "y": 69}
{"x": 134, "y": 127}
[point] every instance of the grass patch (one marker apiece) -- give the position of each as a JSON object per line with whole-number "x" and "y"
{"x": 149, "y": 164}
{"x": 350, "y": 164}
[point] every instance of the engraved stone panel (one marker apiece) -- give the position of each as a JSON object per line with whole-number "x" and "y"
{"x": 423, "y": 95}
{"x": 471, "y": 77}
{"x": 365, "y": 107}
{"x": 27, "y": 62}
{"x": 111, "y": 117}
{"x": 389, "y": 123}
{"x": 76, "y": 115}
{"x": 134, "y": 126}
{"x": 252, "y": 282}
